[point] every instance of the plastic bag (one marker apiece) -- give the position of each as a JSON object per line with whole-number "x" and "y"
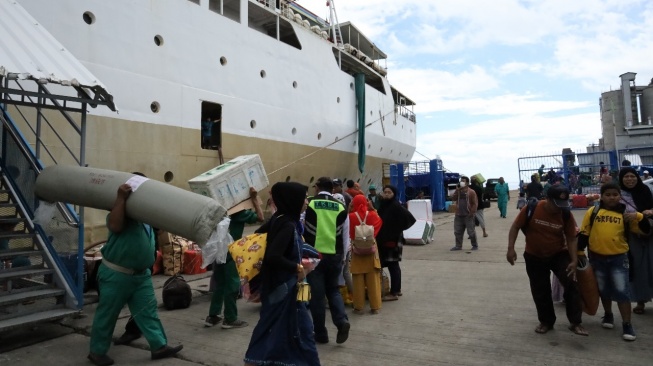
{"x": 44, "y": 213}
{"x": 217, "y": 247}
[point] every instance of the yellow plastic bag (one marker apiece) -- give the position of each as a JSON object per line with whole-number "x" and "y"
{"x": 303, "y": 292}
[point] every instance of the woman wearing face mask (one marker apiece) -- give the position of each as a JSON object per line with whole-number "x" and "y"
{"x": 390, "y": 239}
{"x": 638, "y": 198}
{"x": 466, "y": 206}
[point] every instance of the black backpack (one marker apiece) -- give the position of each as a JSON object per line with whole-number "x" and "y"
{"x": 530, "y": 207}
{"x": 176, "y": 293}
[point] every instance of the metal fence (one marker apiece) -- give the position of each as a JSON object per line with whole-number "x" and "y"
{"x": 582, "y": 172}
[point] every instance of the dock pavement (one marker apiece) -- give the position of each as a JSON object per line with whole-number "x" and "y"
{"x": 457, "y": 308}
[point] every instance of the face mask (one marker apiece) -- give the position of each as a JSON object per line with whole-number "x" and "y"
{"x": 463, "y": 184}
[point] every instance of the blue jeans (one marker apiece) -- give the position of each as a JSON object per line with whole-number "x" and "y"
{"x": 324, "y": 282}
{"x": 611, "y": 273}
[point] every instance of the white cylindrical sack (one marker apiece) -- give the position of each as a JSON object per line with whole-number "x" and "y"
{"x": 161, "y": 205}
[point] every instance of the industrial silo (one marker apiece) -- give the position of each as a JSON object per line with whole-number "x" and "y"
{"x": 646, "y": 105}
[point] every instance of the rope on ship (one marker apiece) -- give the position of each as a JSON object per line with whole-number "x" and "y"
{"x": 331, "y": 144}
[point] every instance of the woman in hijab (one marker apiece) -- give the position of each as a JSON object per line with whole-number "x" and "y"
{"x": 638, "y": 198}
{"x": 284, "y": 333}
{"x": 390, "y": 239}
{"x": 365, "y": 269}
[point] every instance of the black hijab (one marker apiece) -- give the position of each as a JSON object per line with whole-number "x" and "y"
{"x": 289, "y": 198}
{"x": 395, "y": 218}
{"x": 642, "y": 196}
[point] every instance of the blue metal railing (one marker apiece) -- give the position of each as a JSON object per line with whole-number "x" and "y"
{"x": 21, "y": 167}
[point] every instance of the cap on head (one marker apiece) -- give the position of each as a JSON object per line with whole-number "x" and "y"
{"x": 559, "y": 194}
{"x": 646, "y": 172}
{"x": 372, "y": 187}
{"x": 337, "y": 182}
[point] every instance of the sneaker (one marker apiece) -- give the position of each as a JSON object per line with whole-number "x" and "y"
{"x": 456, "y": 248}
{"x": 475, "y": 247}
{"x": 234, "y": 324}
{"x": 212, "y": 320}
{"x": 322, "y": 339}
{"x": 629, "y": 332}
{"x": 607, "y": 321}
{"x": 343, "y": 333}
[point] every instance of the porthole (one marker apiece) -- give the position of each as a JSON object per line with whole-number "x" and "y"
{"x": 252, "y": 124}
{"x": 155, "y": 107}
{"x": 319, "y": 136}
{"x": 351, "y": 86}
{"x": 294, "y": 84}
{"x": 391, "y": 151}
{"x": 354, "y": 142}
{"x": 288, "y": 179}
{"x": 338, "y": 100}
{"x": 89, "y": 18}
{"x": 337, "y": 138}
{"x": 369, "y": 147}
{"x": 381, "y": 149}
{"x": 371, "y": 113}
{"x": 223, "y": 60}
{"x": 263, "y": 73}
{"x": 294, "y": 131}
{"x": 168, "y": 176}
{"x": 158, "y": 40}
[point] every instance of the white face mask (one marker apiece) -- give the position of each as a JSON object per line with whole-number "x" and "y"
{"x": 463, "y": 184}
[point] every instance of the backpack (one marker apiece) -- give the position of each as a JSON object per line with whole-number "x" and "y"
{"x": 176, "y": 293}
{"x": 364, "y": 242}
{"x": 530, "y": 207}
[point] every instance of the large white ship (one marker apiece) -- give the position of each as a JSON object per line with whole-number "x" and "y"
{"x": 278, "y": 78}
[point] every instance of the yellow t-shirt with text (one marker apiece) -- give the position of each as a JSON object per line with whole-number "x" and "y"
{"x": 607, "y": 236}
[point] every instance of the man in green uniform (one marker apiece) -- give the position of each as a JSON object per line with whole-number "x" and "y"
{"x": 125, "y": 278}
{"x": 225, "y": 276}
{"x": 503, "y": 196}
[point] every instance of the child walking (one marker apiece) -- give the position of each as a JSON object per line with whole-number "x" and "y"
{"x": 605, "y": 231}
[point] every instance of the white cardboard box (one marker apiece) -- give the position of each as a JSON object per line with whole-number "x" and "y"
{"x": 421, "y": 209}
{"x": 420, "y": 233}
{"x": 229, "y": 183}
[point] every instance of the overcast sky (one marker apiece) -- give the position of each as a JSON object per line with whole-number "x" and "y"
{"x": 498, "y": 80}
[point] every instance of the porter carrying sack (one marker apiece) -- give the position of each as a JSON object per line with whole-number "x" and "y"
{"x": 364, "y": 242}
{"x": 176, "y": 293}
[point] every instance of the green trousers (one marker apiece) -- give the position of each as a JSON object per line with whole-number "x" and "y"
{"x": 227, "y": 285}
{"x": 118, "y": 289}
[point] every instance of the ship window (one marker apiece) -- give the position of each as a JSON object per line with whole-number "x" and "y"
{"x": 168, "y": 176}
{"x": 294, "y": 84}
{"x": 294, "y": 131}
{"x": 195, "y": 1}
{"x": 211, "y": 126}
{"x": 338, "y": 99}
{"x": 223, "y": 60}
{"x": 351, "y": 86}
{"x": 287, "y": 34}
{"x": 158, "y": 40}
{"x": 214, "y": 5}
{"x": 88, "y": 17}
{"x": 155, "y": 107}
{"x": 263, "y": 73}
{"x": 369, "y": 147}
{"x": 337, "y": 138}
{"x": 319, "y": 136}
{"x": 252, "y": 124}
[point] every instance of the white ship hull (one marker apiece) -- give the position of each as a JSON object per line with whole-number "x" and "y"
{"x": 295, "y": 107}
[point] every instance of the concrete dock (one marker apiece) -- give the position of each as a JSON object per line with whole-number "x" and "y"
{"x": 457, "y": 308}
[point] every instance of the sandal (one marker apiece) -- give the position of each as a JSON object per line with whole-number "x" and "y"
{"x": 542, "y": 328}
{"x": 639, "y": 310}
{"x": 578, "y": 329}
